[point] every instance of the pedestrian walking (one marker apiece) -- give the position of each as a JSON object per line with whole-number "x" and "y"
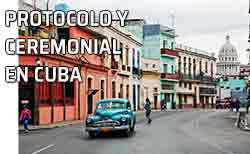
{"x": 25, "y": 117}
{"x": 247, "y": 106}
{"x": 147, "y": 108}
{"x": 237, "y": 105}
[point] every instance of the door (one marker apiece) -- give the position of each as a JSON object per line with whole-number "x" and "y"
{"x": 26, "y": 95}
{"x": 173, "y": 102}
{"x": 138, "y": 96}
{"x": 180, "y": 101}
{"x": 90, "y": 104}
{"x": 194, "y": 102}
{"x": 90, "y": 96}
{"x": 155, "y": 101}
{"x": 134, "y": 98}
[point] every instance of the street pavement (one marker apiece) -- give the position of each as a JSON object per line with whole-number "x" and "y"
{"x": 173, "y": 132}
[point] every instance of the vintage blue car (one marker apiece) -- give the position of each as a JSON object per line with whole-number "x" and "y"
{"x": 111, "y": 115}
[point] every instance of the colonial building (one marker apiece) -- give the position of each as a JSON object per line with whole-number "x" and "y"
{"x": 228, "y": 64}
{"x": 158, "y": 63}
{"x": 151, "y": 81}
{"x": 196, "y": 85}
{"x": 103, "y": 76}
{"x": 125, "y": 67}
{"x": 169, "y": 76}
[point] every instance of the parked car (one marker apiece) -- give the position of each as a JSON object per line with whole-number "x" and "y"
{"x": 222, "y": 104}
{"x": 111, "y": 115}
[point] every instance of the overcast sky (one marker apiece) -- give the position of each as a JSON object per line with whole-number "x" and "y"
{"x": 202, "y": 24}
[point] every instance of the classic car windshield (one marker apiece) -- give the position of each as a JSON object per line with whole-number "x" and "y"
{"x": 111, "y": 105}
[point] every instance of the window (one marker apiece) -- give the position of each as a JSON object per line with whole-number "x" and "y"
{"x": 172, "y": 69}
{"x": 185, "y": 99}
{"x": 212, "y": 68}
{"x": 185, "y": 65}
{"x": 102, "y": 89}
{"x": 190, "y": 86}
{"x": 63, "y": 33}
{"x": 133, "y": 58}
{"x": 185, "y": 85}
{"x": 165, "y": 43}
{"x": 172, "y": 45}
{"x": 165, "y": 68}
{"x": 127, "y": 90}
{"x": 153, "y": 66}
{"x": 121, "y": 90}
{"x": 200, "y": 67}
{"x": 189, "y": 66}
{"x": 194, "y": 67}
{"x": 121, "y": 49}
{"x": 114, "y": 43}
{"x": 146, "y": 65}
{"x": 180, "y": 84}
{"x": 69, "y": 89}
{"x": 113, "y": 90}
{"x": 206, "y": 67}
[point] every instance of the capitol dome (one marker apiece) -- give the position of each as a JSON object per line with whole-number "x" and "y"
{"x": 228, "y": 51}
{"x": 62, "y": 5}
{"x": 228, "y": 64}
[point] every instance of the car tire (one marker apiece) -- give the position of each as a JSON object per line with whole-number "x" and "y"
{"x": 132, "y": 129}
{"x": 128, "y": 131}
{"x": 92, "y": 134}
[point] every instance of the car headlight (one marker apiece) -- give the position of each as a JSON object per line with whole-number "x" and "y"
{"x": 123, "y": 119}
{"x": 88, "y": 121}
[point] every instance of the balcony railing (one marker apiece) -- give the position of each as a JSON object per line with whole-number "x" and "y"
{"x": 196, "y": 77}
{"x": 167, "y": 87}
{"x": 170, "y": 76}
{"x": 170, "y": 52}
{"x": 209, "y": 91}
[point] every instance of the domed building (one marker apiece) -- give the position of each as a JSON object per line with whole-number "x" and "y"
{"x": 228, "y": 64}
{"x": 62, "y": 5}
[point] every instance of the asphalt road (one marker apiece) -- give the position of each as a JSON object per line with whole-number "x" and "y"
{"x": 187, "y": 132}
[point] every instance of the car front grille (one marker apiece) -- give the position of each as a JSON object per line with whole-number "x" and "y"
{"x": 106, "y": 123}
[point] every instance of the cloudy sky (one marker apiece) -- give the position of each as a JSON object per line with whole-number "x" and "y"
{"x": 202, "y": 24}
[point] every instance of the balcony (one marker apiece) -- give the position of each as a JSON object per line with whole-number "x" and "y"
{"x": 167, "y": 87}
{"x": 169, "y": 52}
{"x": 208, "y": 91}
{"x": 169, "y": 76}
{"x": 200, "y": 78}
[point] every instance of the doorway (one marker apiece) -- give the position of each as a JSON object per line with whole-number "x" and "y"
{"x": 155, "y": 101}
{"x": 134, "y": 98}
{"x": 90, "y": 97}
{"x": 26, "y": 95}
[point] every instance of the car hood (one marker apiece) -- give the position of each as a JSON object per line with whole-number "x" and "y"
{"x": 109, "y": 113}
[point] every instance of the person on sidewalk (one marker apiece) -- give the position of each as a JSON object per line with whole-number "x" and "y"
{"x": 25, "y": 117}
{"x": 147, "y": 107}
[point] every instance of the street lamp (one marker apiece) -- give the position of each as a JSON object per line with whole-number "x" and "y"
{"x": 36, "y": 103}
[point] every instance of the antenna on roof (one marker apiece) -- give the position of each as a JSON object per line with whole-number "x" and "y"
{"x": 172, "y": 17}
